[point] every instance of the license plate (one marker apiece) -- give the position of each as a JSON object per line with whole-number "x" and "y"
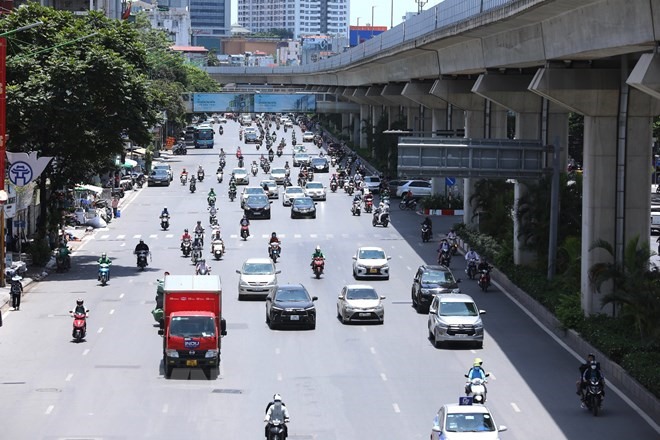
{"x": 365, "y": 314}
{"x": 461, "y": 335}
{"x": 294, "y": 318}
{"x": 373, "y": 270}
{"x": 192, "y": 363}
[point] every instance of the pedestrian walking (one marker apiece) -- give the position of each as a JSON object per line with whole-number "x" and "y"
{"x": 16, "y": 291}
{"x": 115, "y": 205}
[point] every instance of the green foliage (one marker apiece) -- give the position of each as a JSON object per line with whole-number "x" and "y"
{"x": 569, "y": 310}
{"x": 40, "y": 252}
{"x": 492, "y": 201}
{"x": 441, "y": 202}
{"x": 643, "y": 366}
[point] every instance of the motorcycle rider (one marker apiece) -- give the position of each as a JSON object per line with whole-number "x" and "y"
{"x": 275, "y": 239}
{"x": 245, "y": 222}
{"x": 475, "y": 372}
{"x": 451, "y": 236}
{"x": 470, "y": 255}
{"x": 64, "y": 252}
{"x": 383, "y": 208}
{"x": 222, "y": 153}
{"x": 200, "y": 171}
{"x": 317, "y": 254}
{"x": 184, "y": 237}
{"x": 232, "y": 180}
{"x": 357, "y": 199}
{"x": 164, "y": 213}
{"x": 80, "y": 308}
{"x": 483, "y": 265}
{"x": 104, "y": 260}
{"x": 141, "y": 246}
{"x": 199, "y": 229}
{"x": 589, "y": 370}
{"x": 184, "y": 173}
{"x": 213, "y": 211}
{"x": 407, "y": 197}
{"x": 200, "y": 265}
{"x": 211, "y": 194}
{"x": 429, "y": 224}
{"x": 232, "y": 185}
{"x": 276, "y": 410}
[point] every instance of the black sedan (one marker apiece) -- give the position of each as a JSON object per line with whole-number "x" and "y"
{"x": 158, "y": 177}
{"x": 290, "y": 304}
{"x": 320, "y": 165}
{"x": 257, "y": 206}
{"x": 303, "y": 207}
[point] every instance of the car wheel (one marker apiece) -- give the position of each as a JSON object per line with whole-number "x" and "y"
{"x": 344, "y": 320}
{"x": 240, "y": 297}
{"x": 338, "y": 313}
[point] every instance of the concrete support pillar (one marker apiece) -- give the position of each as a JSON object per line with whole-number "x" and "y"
{"x": 438, "y": 119}
{"x": 457, "y": 118}
{"x": 346, "y": 124}
{"x": 376, "y": 114}
{"x": 412, "y": 115}
{"x": 393, "y": 114}
{"x": 355, "y": 128}
{"x": 365, "y": 116}
{"x": 497, "y": 122}
{"x": 557, "y": 130}
{"x": 528, "y": 126}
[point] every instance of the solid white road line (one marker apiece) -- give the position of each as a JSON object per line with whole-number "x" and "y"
{"x": 137, "y": 236}
{"x": 68, "y": 377}
{"x": 396, "y": 408}
{"x": 123, "y": 244}
{"x": 313, "y": 235}
{"x": 121, "y": 296}
{"x": 515, "y": 407}
{"x": 153, "y": 236}
{"x": 279, "y": 377}
{"x": 169, "y": 236}
{"x": 50, "y": 409}
{"x": 84, "y": 353}
{"x": 121, "y": 236}
{"x": 297, "y": 236}
{"x": 103, "y": 237}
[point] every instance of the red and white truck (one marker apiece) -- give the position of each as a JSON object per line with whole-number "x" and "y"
{"x": 193, "y": 325}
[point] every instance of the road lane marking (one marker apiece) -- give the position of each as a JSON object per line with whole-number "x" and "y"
{"x": 123, "y": 244}
{"x": 233, "y": 236}
{"x": 297, "y": 236}
{"x": 121, "y": 296}
{"x": 68, "y": 377}
{"x": 401, "y": 256}
{"x": 372, "y": 350}
{"x": 396, "y": 408}
{"x": 85, "y": 352}
{"x": 165, "y": 408}
{"x": 277, "y": 351}
{"x": 169, "y": 235}
{"x": 112, "y": 312}
{"x": 383, "y": 376}
{"x": 103, "y": 237}
{"x": 99, "y": 330}
{"x": 313, "y": 235}
{"x": 264, "y": 235}
{"x": 121, "y": 236}
{"x": 344, "y": 235}
{"x": 279, "y": 377}
{"x": 515, "y": 407}
{"x": 137, "y": 236}
{"x": 50, "y": 409}
{"x": 329, "y": 236}
{"x": 153, "y": 236}
{"x": 408, "y": 267}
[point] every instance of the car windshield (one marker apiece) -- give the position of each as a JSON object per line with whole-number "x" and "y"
{"x": 257, "y": 200}
{"x": 303, "y": 202}
{"x": 159, "y": 172}
{"x": 319, "y": 161}
{"x": 371, "y": 254}
{"x": 302, "y": 156}
{"x": 294, "y": 190}
{"x": 162, "y": 167}
{"x": 239, "y": 171}
{"x": 361, "y": 294}
{"x": 288, "y": 295}
{"x": 372, "y": 179}
{"x": 437, "y": 277}
{"x": 469, "y": 422}
{"x": 192, "y": 326}
{"x": 453, "y": 308}
{"x": 254, "y": 190}
{"x": 258, "y": 269}
{"x": 278, "y": 171}
{"x": 314, "y": 185}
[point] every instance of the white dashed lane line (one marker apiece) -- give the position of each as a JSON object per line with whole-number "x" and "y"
{"x": 372, "y": 350}
{"x": 99, "y": 330}
{"x": 112, "y": 312}
{"x": 383, "y": 376}
{"x": 85, "y": 352}
{"x": 515, "y": 407}
{"x": 165, "y": 408}
{"x": 396, "y": 408}
{"x": 50, "y": 409}
{"x": 68, "y": 377}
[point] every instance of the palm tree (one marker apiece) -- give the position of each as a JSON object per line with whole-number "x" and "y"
{"x": 634, "y": 288}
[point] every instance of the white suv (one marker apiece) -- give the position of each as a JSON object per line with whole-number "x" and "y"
{"x": 258, "y": 277}
{"x": 455, "y": 317}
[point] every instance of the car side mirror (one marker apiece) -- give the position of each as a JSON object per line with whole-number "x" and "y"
{"x": 502, "y": 428}
{"x": 279, "y": 271}
{"x": 383, "y": 297}
{"x": 436, "y": 429}
{"x": 354, "y": 257}
{"x": 238, "y": 272}
{"x": 465, "y": 375}
{"x": 314, "y": 298}
{"x": 482, "y": 312}
{"x": 389, "y": 258}
{"x": 161, "y": 332}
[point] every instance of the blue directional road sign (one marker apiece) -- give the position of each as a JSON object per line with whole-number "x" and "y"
{"x": 450, "y": 181}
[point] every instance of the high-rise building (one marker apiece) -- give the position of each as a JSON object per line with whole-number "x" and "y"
{"x": 300, "y": 17}
{"x": 209, "y": 20}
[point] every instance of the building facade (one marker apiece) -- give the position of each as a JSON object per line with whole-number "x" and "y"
{"x": 210, "y": 20}
{"x": 300, "y": 17}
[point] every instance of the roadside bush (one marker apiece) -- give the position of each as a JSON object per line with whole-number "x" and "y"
{"x": 569, "y": 310}
{"x": 441, "y": 202}
{"x": 40, "y": 252}
{"x": 643, "y": 366}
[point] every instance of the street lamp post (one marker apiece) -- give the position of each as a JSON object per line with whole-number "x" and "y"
{"x": 358, "y": 21}
{"x": 3, "y": 134}
{"x": 372, "y": 21}
{"x": 391, "y": 14}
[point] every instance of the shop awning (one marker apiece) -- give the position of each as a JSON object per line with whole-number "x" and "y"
{"x": 129, "y": 163}
{"x": 92, "y": 188}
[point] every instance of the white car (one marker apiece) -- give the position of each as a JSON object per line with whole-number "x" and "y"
{"x": 465, "y": 422}
{"x": 278, "y": 175}
{"x": 419, "y": 188}
{"x": 370, "y": 261}
{"x": 273, "y": 192}
{"x": 359, "y": 302}
{"x": 299, "y": 149}
{"x": 288, "y": 123}
{"x": 250, "y": 190}
{"x": 241, "y": 175}
{"x": 290, "y": 193}
{"x": 315, "y": 191}
{"x": 300, "y": 159}
{"x": 308, "y": 136}
{"x": 222, "y": 120}
{"x": 454, "y": 317}
{"x": 258, "y": 277}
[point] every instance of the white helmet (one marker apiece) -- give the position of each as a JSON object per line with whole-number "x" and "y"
{"x": 318, "y": 248}
{"x": 277, "y": 398}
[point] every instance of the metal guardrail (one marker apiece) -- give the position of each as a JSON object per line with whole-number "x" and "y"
{"x": 481, "y": 158}
{"x": 444, "y": 15}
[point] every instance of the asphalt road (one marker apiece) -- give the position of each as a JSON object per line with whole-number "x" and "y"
{"x": 339, "y": 381}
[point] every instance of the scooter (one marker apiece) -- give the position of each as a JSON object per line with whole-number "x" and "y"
{"x": 410, "y": 204}
{"x": 355, "y": 209}
{"x": 232, "y": 195}
{"x": 317, "y": 267}
{"x": 276, "y": 430}
{"x": 200, "y": 176}
{"x": 79, "y": 325}
{"x": 368, "y": 206}
{"x": 186, "y": 248}
{"x": 593, "y": 398}
{"x": 142, "y": 259}
{"x": 196, "y": 255}
{"x": 184, "y": 179}
{"x": 165, "y": 222}
{"x": 240, "y": 162}
{"x": 254, "y": 170}
{"x": 380, "y": 220}
{"x": 211, "y": 201}
{"x": 217, "y": 248}
{"x": 333, "y": 186}
{"x": 192, "y": 187}
{"x": 426, "y": 233}
{"x": 63, "y": 262}
{"x": 220, "y": 176}
{"x": 471, "y": 269}
{"x": 444, "y": 258}
{"x": 477, "y": 389}
{"x": 274, "y": 252}
{"x": 104, "y": 273}
{"x": 245, "y": 232}
{"x": 484, "y": 279}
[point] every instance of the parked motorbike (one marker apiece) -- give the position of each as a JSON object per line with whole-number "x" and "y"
{"x": 426, "y": 233}
{"x": 165, "y": 222}
{"x": 104, "y": 273}
{"x": 79, "y": 325}
{"x": 410, "y": 204}
{"x": 593, "y": 397}
{"x": 318, "y": 264}
{"x": 245, "y": 232}
{"x": 142, "y": 259}
{"x": 186, "y": 247}
{"x": 471, "y": 269}
{"x": 217, "y": 248}
{"x": 477, "y": 389}
{"x": 274, "y": 252}
{"x": 356, "y": 207}
{"x": 484, "y": 279}
{"x": 62, "y": 262}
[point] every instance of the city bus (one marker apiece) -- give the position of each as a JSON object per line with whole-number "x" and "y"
{"x": 204, "y": 136}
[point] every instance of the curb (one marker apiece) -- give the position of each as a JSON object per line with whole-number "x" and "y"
{"x": 442, "y": 212}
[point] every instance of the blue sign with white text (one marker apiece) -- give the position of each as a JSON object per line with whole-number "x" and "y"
{"x": 253, "y": 103}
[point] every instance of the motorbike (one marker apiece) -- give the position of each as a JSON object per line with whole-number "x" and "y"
{"x": 341, "y": 182}
{"x": 477, "y": 389}
{"x": 118, "y": 192}
{"x": 275, "y": 430}
{"x": 274, "y": 251}
{"x": 318, "y": 264}
{"x": 211, "y": 200}
{"x": 410, "y": 204}
{"x": 271, "y": 155}
{"x": 184, "y": 179}
{"x": 232, "y": 194}
{"x": 444, "y": 258}
{"x": 220, "y": 176}
{"x": 142, "y": 259}
{"x": 333, "y": 161}
{"x": 333, "y": 186}
{"x": 222, "y": 163}
{"x": 199, "y": 237}
{"x": 104, "y": 273}
{"x": 245, "y": 232}
{"x": 484, "y": 279}
{"x": 368, "y": 206}
{"x": 356, "y": 207}
{"x": 266, "y": 168}
{"x": 217, "y": 248}
{"x": 200, "y": 175}
{"x": 593, "y": 397}
{"x": 279, "y": 152}
{"x": 165, "y": 222}
{"x": 192, "y": 187}
{"x": 186, "y": 247}
{"x": 241, "y": 162}
{"x": 213, "y": 220}
{"x": 63, "y": 262}
{"x": 471, "y": 269}
{"x": 380, "y": 220}
{"x": 310, "y": 175}
{"x": 180, "y": 149}
{"x": 203, "y": 270}
{"x": 254, "y": 170}
{"x": 196, "y": 255}
{"x": 350, "y": 188}
{"x": 221, "y": 130}
{"x": 426, "y": 233}
{"x": 79, "y": 325}
{"x": 454, "y": 247}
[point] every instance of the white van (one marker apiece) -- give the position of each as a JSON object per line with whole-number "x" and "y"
{"x": 246, "y": 120}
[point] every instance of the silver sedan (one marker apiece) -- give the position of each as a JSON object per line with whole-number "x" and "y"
{"x": 360, "y": 302}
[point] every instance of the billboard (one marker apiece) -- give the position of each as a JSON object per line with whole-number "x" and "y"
{"x": 253, "y": 103}
{"x": 360, "y": 34}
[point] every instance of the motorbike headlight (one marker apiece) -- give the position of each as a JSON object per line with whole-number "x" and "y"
{"x": 211, "y": 354}
{"x": 172, "y": 353}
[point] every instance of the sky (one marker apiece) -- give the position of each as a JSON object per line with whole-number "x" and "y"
{"x": 362, "y": 9}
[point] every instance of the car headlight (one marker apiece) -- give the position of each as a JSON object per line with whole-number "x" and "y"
{"x": 243, "y": 283}
{"x": 172, "y": 353}
{"x": 456, "y": 290}
{"x": 277, "y": 309}
{"x": 211, "y": 354}
{"x": 361, "y": 266}
{"x": 425, "y": 291}
{"x": 479, "y": 325}
{"x": 310, "y": 308}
